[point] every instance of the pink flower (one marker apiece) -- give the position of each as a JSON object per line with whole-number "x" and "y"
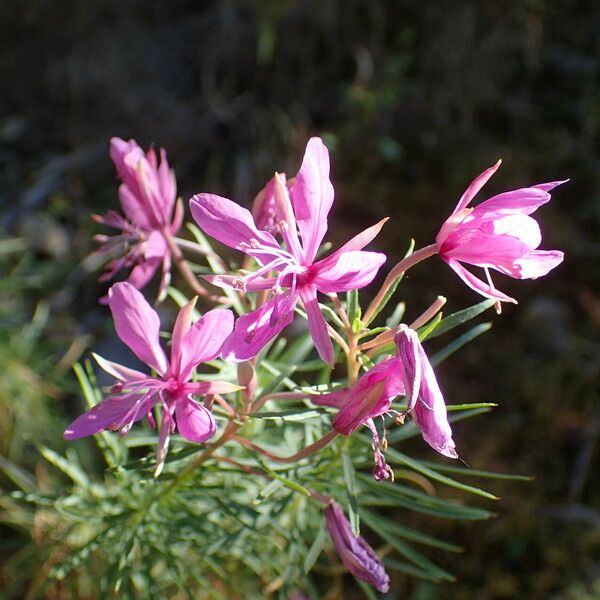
{"x": 302, "y": 222}
{"x": 358, "y": 557}
{"x": 497, "y": 234}
{"x": 423, "y": 395}
{"x": 135, "y": 394}
{"x": 148, "y": 200}
{"x": 408, "y": 373}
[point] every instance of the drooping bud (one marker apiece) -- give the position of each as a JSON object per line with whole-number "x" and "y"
{"x": 358, "y": 557}
{"x": 423, "y": 395}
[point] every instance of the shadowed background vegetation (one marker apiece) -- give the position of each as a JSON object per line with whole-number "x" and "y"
{"x": 413, "y": 99}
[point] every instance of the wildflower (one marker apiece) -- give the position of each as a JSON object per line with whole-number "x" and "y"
{"x": 358, "y": 557}
{"x": 497, "y": 234}
{"x": 423, "y": 395}
{"x": 148, "y": 200}
{"x": 302, "y": 223}
{"x": 137, "y": 324}
{"x": 407, "y": 373}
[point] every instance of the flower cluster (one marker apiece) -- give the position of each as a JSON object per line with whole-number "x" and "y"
{"x": 282, "y": 272}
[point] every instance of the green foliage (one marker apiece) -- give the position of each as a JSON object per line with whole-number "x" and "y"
{"x": 233, "y": 523}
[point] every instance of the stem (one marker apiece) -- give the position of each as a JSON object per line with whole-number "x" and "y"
{"x": 341, "y": 311}
{"x": 320, "y": 443}
{"x": 186, "y": 271}
{"x": 401, "y": 267}
{"x": 388, "y": 336}
{"x": 429, "y": 313}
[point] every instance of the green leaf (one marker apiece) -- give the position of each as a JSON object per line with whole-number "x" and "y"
{"x": 316, "y": 548}
{"x": 394, "y": 319}
{"x": 72, "y": 470}
{"x": 459, "y": 342}
{"x": 460, "y": 317}
{"x": 353, "y": 306}
{"x": 407, "y": 568}
{"x": 380, "y": 526}
{"x": 415, "y": 536}
{"x": 396, "y": 457}
{"x": 425, "y": 331}
{"x": 288, "y": 415}
{"x": 351, "y": 489}
{"x": 368, "y": 591}
{"x": 468, "y": 472}
{"x": 457, "y": 407}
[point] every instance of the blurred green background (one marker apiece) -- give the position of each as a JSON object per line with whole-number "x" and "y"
{"x": 413, "y": 99}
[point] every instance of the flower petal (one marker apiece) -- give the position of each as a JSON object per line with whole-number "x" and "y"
{"x": 475, "y": 186}
{"x": 317, "y": 324}
{"x": 108, "y": 414}
{"x": 229, "y": 223}
{"x": 194, "y": 421}
{"x": 204, "y": 340}
{"x": 180, "y": 329}
{"x": 476, "y": 284}
{"x": 118, "y": 371}
{"x": 429, "y": 410}
{"x": 534, "y": 264}
{"x": 137, "y": 324}
{"x": 351, "y": 271}
{"x": 524, "y": 200}
{"x": 142, "y": 273}
{"x": 255, "y": 329}
{"x": 312, "y": 197}
{"x": 358, "y": 557}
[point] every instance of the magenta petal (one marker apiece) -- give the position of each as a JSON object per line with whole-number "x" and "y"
{"x": 475, "y": 186}
{"x": 535, "y": 264}
{"x": 485, "y": 249}
{"x": 204, "y": 340}
{"x": 180, "y": 329}
{"x": 133, "y": 208}
{"x": 155, "y": 246}
{"x": 429, "y": 410}
{"x": 358, "y": 557}
{"x": 351, "y": 271}
{"x": 108, "y": 414}
{"x": 228, "y": 222}
{"x": 254, "y": 330}
{"x": 142, "y": 273}
{"x": 119, "y": 371}
{"x": 194, "y": 421}
{"x": 523, "y": 201}
{"x": 137, "y": 324}
{"x": 317, "y": 324}
{"x": 369, "y": 397}
{"x": 312, "y": 197}
{"x": 476, "y": 284}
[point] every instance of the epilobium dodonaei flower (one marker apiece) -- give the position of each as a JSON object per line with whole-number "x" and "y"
{"x": 423, "y": 395}
{"x": 133, "y": 397}
{"x": 408, "y": 373}
{"x": 497, "y": 234}
{"x": 302, "y": 223}
{"x": 148, "y": 200}
{"x": 358, "y": 557}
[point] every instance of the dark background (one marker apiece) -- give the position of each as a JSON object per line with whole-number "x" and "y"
{"x": 413, "y": 99}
